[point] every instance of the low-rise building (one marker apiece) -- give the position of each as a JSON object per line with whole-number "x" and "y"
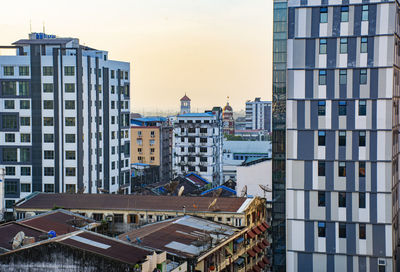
{"x": 207, "y": 245}
{"x": 151, "y": 143}
{"x": 137, "y": 210}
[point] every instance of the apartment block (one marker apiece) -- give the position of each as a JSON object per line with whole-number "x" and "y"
{"x": 64, "y": 118}
{"x": 151, "y": 140}
{"x": 259, "y": 115}
{"x": 341, "y": 109}
{"x": 197, "y": 145}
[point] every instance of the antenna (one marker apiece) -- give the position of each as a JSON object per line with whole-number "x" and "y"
{"x": 243, "y": 193}
{"x": 30, "y": 26}
{"x": 265, "y": 188}
{"x": 43, "y": 28}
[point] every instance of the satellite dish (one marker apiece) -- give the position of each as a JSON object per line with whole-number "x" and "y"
{"x": 243, "y": 193}
{"x": 18, "y": 239}
{"x": 181, "y": 190}
{"x": 265, "y": 188}
{"x": 212, "y": 203}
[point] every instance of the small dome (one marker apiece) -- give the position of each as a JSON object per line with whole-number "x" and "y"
{"x": 227, "y": 107}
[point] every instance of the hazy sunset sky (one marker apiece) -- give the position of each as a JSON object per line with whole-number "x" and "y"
{"x": 209, "y": 49}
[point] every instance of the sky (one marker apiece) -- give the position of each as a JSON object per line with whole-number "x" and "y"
{"x": 208, "y": 49}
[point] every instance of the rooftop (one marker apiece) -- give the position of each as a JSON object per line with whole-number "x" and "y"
{"x": 247, "y": 147}
{"x": 196, "y": 114}
{"x": 186, "y": 236}
{"x": 46, "y": 201}
{"x": 9, "y": 230}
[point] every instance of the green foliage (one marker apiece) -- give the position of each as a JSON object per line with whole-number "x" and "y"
{"x": 233, "y": 137}
{"x": 55, "y": 207}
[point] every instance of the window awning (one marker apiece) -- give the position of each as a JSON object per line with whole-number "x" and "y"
{"x": 261, "y": 245}
{"x": 261, "y": 227}
{"x": 266, "y": 260}
{"x": 265, "y": 225}
{"x": 251, "y": 253}
{"x": 256, "y": 230}
{"x": 256, "y": 249}
{"x": 251, "y": 234}
{"x": 261, "y": 264}
{"x": 256, "y": 268}
{"x": 265, "y": 242}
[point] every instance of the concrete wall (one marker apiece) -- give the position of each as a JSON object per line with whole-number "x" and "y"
{"x": 253, "y": 176}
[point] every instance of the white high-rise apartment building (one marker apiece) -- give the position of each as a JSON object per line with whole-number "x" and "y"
{"x": 259, "y": 115}
{"x": 64, "y": 118}
{"x": 197, "y": 145}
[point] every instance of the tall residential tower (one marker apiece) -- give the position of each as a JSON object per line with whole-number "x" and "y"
{"x": 64, "y": 111}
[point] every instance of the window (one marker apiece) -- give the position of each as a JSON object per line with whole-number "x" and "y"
{"x": 322, "y": 46}
{"x": 25, "y": 171}
{"x": 361, "y": 231}
{"x": 9, "y": 121}
{"x": 342, "y": 108}
{"x": 152, "y": 134}
{"x": 321, "y": 168}
{"x": 48, "y": 104}
{"x": 321, "y": 199}
{"x": 8, "y": 70}
{"x": 362, "y": 108}
{"x": 152, "y": 142}
{"x": 112, "y": 73}
{"x": 112, "y": 165}
{"x": 49, "y": 171}
{"x": 361, "y": 138}
{"x": 363, "y": 76}
{"x": 321, "y": 229}
{"x": 9, "y": 104}
{"x": 48, "y": 121}
{"x": 69, "y": 104}
{"x": 47, "y": 87}
{"x": 342, "y": 199}
{"x": 343, "y": 46}
{"x": 323, "y": 15}
{"x": 364, "y": 14}
{"x": 69, "y": 71}
{"x": 70, "y": 171}
{"x": 69, "y": 87}
{"x": 47, "y": 70}
{"x": 152, "y": 159}
{"x": 342, "y": 138}
{"x": 49, "y": 188}
{"x": 48, "y": 138}
{"x": 9, "y": 154}
{"x": 112, "y": 89}
{"x": 25, "y": 138}
{"x": 203, "y": 130}
{"x": 203, "y": 149}
{"x": 9, "y": 87}
{"x": 152, "y": 150}
{"x": 322, "y": 77}
{"x": 70, "y": 138}
{"x": 361, "y": 200}
{"x": 24, "y": 104}
{"x": 24, "y": 70}
{"x": 49, "y": 155}
{"x": 70, "y": 155}
{"x": 342, "y": 169}
{"x": 70, "y": 188}
{"x": 10, "y": 171}
{"x": 10, "y": 137}
{"x": 69, "y": 121}
{"x": 344, "y": 15}
{"x": 342, "y": 230}
{"x": 361, "y": 169}
{"x": 343, "y": 77}
{"x": 321, "y": 138}
{"x": 25, "y": 188}
{"x": 139, "y": 142}
{"x": 24, "y": 88}
{"x": 11, "y": 187}
{"x": 118, "y": 218}
{"x": 126, "y": 75}
{"x": 364, "y": 45}
{"x": 321, "y": 108}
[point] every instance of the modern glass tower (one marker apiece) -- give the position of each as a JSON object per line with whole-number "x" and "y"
{"x": 336, "y": 135}
{"x": 279, "y": 136}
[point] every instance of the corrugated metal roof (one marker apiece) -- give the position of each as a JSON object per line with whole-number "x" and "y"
{"x": 247, "y": 147}
{"x": 194, "y": 114}
{"x": 133, "y": 202}
{"x": 9, "y": 230}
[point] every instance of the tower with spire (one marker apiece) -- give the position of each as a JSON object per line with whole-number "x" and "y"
{"x": 228, "y": 121}
{"x": 185, "y": 104}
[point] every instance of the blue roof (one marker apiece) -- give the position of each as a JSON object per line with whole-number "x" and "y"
{"x": 145, "y": 120}
{"x": 204, "y": 114}
{"x": 140, "y": 164}
{"x": 223, "y": 187}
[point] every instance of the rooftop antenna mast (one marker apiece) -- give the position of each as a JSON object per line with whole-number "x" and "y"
{"x": 30, "y": 26}
{"x": 43, "y": 28}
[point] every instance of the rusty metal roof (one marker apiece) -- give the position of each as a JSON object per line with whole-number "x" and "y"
{"x": 9, "y": 230}
{"x": 133, "y": 202}
{"x": 108, "y": 247}
{"x": 186, "y": 236}
{"x": 60, "y": 221}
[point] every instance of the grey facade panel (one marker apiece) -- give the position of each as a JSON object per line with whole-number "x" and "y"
{"x": 309, "y": 236}
{"x": 357, "y": 20}
{"x": 300, "y": 114}
{"x": 330, "y": 263}
{"x": 373, "y": 207}
{"x": 106, "y": 128}
{"x": 373, "y": 83}
{"x": 373, "y": 145}
{"x": 36, "y": 90}
{"x": 350, "y": 120}
{"x": 350, "y": 263}
{"x": 310, "y": 53}
{"x": 335, "y": 115}
{"x": 315, "y": 22}
{"x": 330, "y": 237}
{"x": 362, "y": 263}
{"x": 328, "y": 206}
{"x": 349, "y": 204}
{"x": 308, "y": 175}
{"x": 304, "y": 262}
{"x": 371, "y": 19}
{"x": 291, "y": 21}
{"x": 356, "y": 83}
{"x": 329, "y": 171}
{"x": 350, "y": 178}
{"x": 370, "y": 51}
{"x": 351, "y": 243}
{"x": 330, "y": 145}
{"x": 305, "y": 145}
{"x": 379, "y": 246}
{"x": 330, "y": 87}
{"x": 351, "y": 52}
{"x": 89, "y": 106}
{"x": 336, "y": 21}
{"x": 331, "y": 53}
{"x": 307, "y": 205}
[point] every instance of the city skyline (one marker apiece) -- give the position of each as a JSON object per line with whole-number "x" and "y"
{"x": 202, "y": 48}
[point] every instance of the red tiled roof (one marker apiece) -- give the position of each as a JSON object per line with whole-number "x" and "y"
{"x": 130, "y": 202}
{"x": 265, "y": 242}
{"x": 256, "y": 230}
{"x": 261, "y": 264}
{"x": 261, "y": 245}
{"x": 261, "y": 227}
{"x": 266, "y": 260}
{"x": 256, "y": 268}
{"x": 265, "y": 224}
